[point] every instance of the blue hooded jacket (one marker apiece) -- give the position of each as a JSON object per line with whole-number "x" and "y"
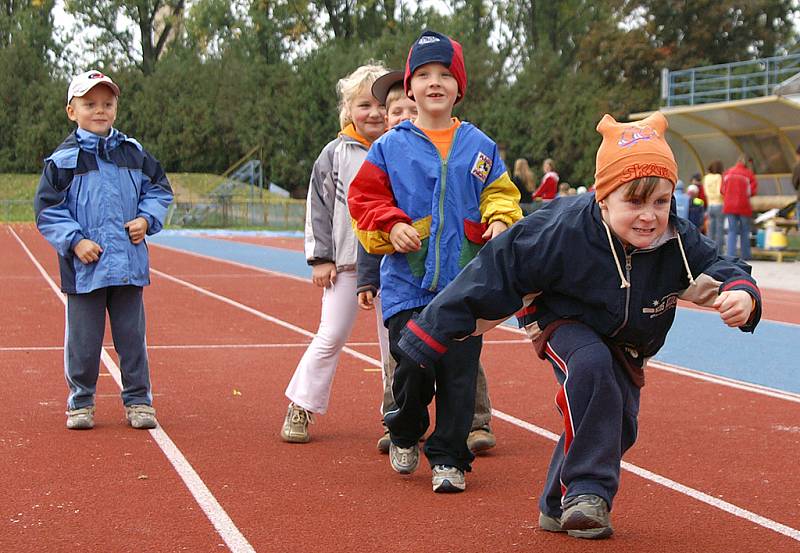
{"x": 90, "y": 187}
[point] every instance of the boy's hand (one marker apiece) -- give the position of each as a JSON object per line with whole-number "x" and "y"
{"x": 366, "y": 300}
{"x": 87, "y": 251}
{"x": 137, "y": 229}
{"x": 404, "y": 238}
{"x": 495, "y": 229}
{"x": 734, "y": 307}
{"x": 323, "y": 274}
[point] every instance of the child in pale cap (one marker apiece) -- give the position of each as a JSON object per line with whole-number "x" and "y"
{"x": 84, "y": 82}
{"x": 595, "y": 310}
{"x": 101, "y": 193}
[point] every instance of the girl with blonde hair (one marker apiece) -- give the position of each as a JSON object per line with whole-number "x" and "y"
{"x": 330, "y": 247}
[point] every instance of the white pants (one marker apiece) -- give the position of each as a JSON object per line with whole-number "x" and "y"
{"x": 310, "y": 387}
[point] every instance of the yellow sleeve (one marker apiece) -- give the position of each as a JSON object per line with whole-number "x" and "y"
{"x": 500, "y": 202}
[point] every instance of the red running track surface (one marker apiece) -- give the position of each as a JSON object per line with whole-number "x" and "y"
{"x": 219, "y": 373}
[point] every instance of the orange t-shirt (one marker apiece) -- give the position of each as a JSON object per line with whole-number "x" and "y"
{"x": 442, "y": 139}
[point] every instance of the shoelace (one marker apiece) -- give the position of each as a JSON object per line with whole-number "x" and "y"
{"x": 299, "y": 415}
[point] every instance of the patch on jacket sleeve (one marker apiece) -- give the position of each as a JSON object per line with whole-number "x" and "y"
{"x": 482, "y": 166}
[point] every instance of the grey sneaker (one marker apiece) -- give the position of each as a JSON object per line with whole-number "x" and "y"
{"x": 384, "y": 442}
{"x": 141, "y": 416}
{"x": 448, "y": 479}
{"x": 80, "y": 419}
{"x": 586, "y": 516}
{"x": 404, "y": 460}
{"x": 481, "y": 439}
{"x": 295, "y": 425}
{"x": 550, "y": 524}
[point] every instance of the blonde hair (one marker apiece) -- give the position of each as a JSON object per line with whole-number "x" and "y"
{"x": 523, "y": 171}
{"x": 549, "y": 163}
{"x": 396, "y": 92}
{"x": 352, "y": 85}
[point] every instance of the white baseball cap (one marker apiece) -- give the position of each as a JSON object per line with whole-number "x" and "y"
{"x": 83, "y": 83}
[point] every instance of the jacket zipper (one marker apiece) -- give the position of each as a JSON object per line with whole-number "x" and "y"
{"x": 442, "y": 190}
{"x": 628, "y": 266}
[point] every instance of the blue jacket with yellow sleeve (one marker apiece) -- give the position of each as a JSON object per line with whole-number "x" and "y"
{"x": 449, "y": 201}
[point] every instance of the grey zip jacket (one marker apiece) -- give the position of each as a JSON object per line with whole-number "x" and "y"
{"x": 329, "y": 235}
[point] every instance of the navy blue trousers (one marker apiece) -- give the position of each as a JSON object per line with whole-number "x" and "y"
{"x": 452, "y": 381}
{"x": 600, "y": 406}
{"x": 86, "y": 325}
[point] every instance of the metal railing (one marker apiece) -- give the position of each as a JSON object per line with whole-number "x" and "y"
{"x": 727, "y": 81}
{"x": 226, "y": 212}
{"x": 207, "y": 212}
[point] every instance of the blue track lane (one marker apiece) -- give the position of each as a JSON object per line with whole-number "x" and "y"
{"x": 698, "y": 340}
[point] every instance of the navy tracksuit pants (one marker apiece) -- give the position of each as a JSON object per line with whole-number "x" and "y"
{"x": 86, "y": 325}
{"x": 452, "y": 380}
{"x": 600, "y": 406}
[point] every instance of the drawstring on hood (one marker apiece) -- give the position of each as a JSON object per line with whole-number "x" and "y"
{"x": 623, "y": 281}
{"x": 685, "y": 261}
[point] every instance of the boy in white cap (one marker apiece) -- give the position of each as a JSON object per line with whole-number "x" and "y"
{"x": 99, "y": 195}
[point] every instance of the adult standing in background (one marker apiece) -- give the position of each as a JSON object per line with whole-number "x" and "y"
{"x": 738, "y": 185}
{"x": 796, "y": 184}
{"x": 549, "y": 186}
{"x": 712, "y": 184}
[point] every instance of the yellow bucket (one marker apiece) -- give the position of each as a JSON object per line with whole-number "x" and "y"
{"x": 776, "y": 240}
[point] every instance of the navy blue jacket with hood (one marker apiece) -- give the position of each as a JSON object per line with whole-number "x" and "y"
{"x": 562, "y": 263}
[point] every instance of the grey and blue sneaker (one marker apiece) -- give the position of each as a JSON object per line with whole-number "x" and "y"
{"x": 447, "y": 479}
{"x": 586, "y": 516}
{"x": 550, "y": 524}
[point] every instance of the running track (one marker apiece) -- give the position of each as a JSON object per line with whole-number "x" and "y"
{"x": 715, "y": 467}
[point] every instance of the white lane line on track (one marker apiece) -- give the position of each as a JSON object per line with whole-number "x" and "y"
{"x": 259, "y": 314}
{"x": 227, "y": 530}
{"x": 700, "y": 375}
{"x": 722, "y": 381}
{"x": 671, "y": 484}
{"x": 691, "y": 373}
{"x": 644, "y": 473}
{"x": 233, "y": 346}
{"x": 229, "y": 262}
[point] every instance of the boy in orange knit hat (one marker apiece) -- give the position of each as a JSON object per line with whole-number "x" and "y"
{"x": 594, "y": 279}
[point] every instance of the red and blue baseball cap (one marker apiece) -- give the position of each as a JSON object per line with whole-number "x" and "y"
{"x": 433, "y": 47}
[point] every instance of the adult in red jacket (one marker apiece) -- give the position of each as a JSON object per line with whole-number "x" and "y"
{"x": 548, "y": 188}
{"x": 738, "y": 185}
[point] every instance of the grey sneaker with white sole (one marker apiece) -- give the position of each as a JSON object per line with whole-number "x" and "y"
{"x": 447, "y": 479}
{"x": 404, "y": 460}
{"x": 586, "y": 516}
{"x": 80, "y": 419}
{"x": 141, "y": 416}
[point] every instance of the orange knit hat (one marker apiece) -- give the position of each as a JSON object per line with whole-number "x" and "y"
{"x": 630, "y": 151}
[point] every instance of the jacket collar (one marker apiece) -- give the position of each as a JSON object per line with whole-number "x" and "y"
{"x": 99, "y": 145}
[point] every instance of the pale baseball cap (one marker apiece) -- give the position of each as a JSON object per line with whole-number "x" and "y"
{"x": 83, "y": 83}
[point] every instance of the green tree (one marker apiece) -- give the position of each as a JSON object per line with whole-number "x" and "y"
{"x": 157, "y": 22}
{"x": 33, "y": 120}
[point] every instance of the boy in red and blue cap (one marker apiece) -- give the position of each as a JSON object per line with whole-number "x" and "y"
{"x": 416, "y": 182}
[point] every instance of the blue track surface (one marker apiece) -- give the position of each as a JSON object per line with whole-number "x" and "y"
{"x": 698, "y": 339}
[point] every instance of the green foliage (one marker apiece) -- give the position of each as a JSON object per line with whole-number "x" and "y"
{"x": 212, "y": 80}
